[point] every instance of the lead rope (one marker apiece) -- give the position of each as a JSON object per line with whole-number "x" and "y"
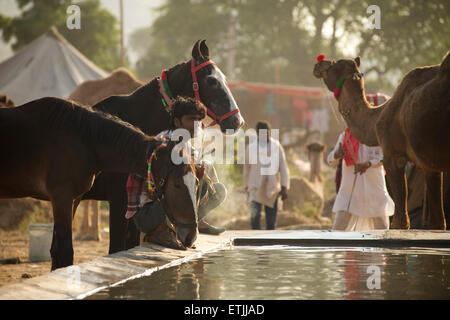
{"x": 339, "y": 120}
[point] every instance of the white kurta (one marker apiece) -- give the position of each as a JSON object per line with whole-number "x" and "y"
{"x": 370, "y": 196}
{"x": 264, "y": 188}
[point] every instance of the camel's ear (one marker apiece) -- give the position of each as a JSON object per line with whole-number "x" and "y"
{"x": 358, "y": 60}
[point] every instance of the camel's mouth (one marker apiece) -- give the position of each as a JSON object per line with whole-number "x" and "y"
{"x": 317, "y": 72}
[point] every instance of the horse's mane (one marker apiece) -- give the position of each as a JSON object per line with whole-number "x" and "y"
{"x": 94, "y": 127}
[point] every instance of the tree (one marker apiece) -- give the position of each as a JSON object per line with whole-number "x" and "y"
{"x": 98, "y": 37}
{"x": 412, "y": 34}
{"x": 277, "y": 41}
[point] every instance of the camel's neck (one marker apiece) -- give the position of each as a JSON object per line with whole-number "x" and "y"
{"x": 359, "y": 115}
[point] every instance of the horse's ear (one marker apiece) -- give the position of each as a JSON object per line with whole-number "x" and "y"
{"x": 358, "y": 61}
{"x": 204, "y": 50}
{"x": 196, "y": 54}
{"x": 154, "y": 143}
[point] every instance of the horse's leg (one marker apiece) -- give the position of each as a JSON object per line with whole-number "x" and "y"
{"x": 132, "y": 237}
{"x": 76, "y": 203}
{"x": 62, "y": 249}
{"x": 395, "y": 174}
{"x": 117, "y": 195}
{"x": 436, "y": 218}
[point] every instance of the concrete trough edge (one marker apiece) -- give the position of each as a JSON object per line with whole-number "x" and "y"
{"x": 149, "y": 271}
{"x": 387, "y": 243}
{"x": 124, "y": 270}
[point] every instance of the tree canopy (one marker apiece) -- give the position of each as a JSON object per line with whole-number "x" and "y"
{"x": 98, "y": 37}
{"x": 277, "y": 41}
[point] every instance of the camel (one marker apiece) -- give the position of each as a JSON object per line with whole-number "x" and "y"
{"x": 121, "y": 81}
{"x": 90, "y": 92}
{"x": 413, "y": 125}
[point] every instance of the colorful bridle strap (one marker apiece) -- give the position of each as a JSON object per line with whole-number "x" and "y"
{"x": 151, "y": 187}
{"x": 338, "y": 89}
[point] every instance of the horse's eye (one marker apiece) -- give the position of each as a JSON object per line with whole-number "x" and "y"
{"x": 177, "y": 185}
{"x": 212, "y": 81}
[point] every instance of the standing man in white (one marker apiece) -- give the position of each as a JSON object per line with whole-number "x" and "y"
{"x": 362, "y": 202}
{"x": 267, "y": 179}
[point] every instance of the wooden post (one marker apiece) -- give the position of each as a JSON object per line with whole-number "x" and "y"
{"x": 122, "y": 53}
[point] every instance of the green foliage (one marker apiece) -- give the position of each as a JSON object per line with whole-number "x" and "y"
{"x": 275, "y": 41}
{"x": 98, "y": 37}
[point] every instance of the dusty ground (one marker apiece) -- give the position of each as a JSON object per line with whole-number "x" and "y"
{"x": 15, "y": 244}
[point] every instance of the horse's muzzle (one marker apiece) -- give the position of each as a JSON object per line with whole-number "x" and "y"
{"x": 187, "y": 235}
{"x": 234, "y": 122}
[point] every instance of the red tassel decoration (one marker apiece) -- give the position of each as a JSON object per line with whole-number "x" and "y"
{"x": 320, "y": 58}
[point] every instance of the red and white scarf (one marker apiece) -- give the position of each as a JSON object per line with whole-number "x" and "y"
{"x": 351, "y": 147}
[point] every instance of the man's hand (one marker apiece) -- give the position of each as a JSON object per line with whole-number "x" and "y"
{"x": 283, "y": 193}
{"x": 362, "y": 167}
{"x": 340, "y": 153}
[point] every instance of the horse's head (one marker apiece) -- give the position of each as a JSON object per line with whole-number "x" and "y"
{"x": 214, "y": 91}
{"x": 176, "y": 186}
{"x": 332, "y": 71}
{"x": 202, "y": 79}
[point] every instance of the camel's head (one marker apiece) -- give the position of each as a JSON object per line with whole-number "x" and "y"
{"x": 331, "y": 71}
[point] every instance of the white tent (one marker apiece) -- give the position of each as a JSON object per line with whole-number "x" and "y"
{"x": 48, "y": 66}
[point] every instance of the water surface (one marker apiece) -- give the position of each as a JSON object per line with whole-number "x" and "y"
{"x": 286, "y": 272}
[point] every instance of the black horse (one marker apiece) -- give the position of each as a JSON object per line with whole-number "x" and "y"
{"x": 145, "y": 108}
{"x": 52, "y": 149}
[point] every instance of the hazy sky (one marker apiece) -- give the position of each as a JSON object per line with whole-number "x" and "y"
{"x": 137, "y": 14}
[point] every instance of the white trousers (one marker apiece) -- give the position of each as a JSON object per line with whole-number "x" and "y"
{"x": 346, "y": 221}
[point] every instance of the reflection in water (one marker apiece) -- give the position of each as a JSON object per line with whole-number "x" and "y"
{"x": 283, "y": 272}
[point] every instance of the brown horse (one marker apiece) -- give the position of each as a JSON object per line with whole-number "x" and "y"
{"x": 176, "y": 188}
{"x": 88, "y": 93}
{"x": 52, "y": 149}
{"x": 144, "y": 108}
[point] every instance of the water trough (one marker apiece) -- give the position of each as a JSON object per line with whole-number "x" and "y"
{"x": 82, "y": 280}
